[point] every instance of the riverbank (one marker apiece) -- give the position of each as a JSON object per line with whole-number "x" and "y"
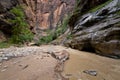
{"x": 32, "y": 63}
{"x": 37, "y": 63}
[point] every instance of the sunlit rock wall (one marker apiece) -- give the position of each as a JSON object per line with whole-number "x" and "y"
{"x": 46, "y": 14}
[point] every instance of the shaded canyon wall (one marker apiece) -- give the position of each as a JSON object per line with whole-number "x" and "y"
{"x": 96, "y": 28}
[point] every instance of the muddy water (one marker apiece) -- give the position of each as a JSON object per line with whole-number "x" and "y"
{"x": 107, "y": 68}
{"x": 42, "y": 66}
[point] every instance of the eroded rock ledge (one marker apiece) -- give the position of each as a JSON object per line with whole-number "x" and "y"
{"x": 97, "y": 31}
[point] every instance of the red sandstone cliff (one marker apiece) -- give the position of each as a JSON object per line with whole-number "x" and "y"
{"x": 46, "y": 14}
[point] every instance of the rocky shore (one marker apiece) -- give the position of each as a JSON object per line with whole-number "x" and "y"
{"x": 37, "y": 63}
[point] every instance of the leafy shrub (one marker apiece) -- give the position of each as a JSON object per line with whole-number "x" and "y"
{"x": 45, "y": 39}
{"x": 20, "y": 30}
{"x": 69, "y": 36}
{"x": 63, "y": 27}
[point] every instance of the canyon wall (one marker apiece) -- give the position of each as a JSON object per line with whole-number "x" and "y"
{"x": 40, "y": 14}
{"x": 96, "y": 27}
{"x": 46, "y": 14}
{"x": 5, "y": 14}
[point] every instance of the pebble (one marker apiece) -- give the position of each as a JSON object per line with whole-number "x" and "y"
{"x": 25, "y": 66}
{"x": 3, "y": 70}
{"x": 48, "y": 55}
{"x": 20, "y": 65}
{"x": 5, "y": 58}
{"x": 16, "y": 62}
{"x": 68, "y": 74}
{"x": 1, "y": 53}
{"x": 5, "y": 67}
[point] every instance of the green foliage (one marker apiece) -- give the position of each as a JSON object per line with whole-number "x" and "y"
{"x": 5, "y": 44}
{"x": 100, "y": 6}
{"x": 69, "y": 36}
{"x": 52, "y": 35}
{"x": 18, "y": 11}
{"x": 63, "y": 27}
{"x": 45, "y": 39}
{"x": 77, "y": 8}
{"x": 20, "y": 31}
{"x": 118, "y": 12}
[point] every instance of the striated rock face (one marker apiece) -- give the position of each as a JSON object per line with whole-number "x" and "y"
{"x": 46, "y": 14}
{"x": 97, "y": 31}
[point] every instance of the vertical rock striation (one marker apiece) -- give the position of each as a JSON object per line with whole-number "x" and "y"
{"x": 46, "y": 14}
{"x": 97, "y": 28}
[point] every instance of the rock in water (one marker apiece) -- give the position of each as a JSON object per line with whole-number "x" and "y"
{"x": 91, "y": 72}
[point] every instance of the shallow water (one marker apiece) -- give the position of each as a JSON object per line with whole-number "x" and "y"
{"x": 107, "y": 68}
